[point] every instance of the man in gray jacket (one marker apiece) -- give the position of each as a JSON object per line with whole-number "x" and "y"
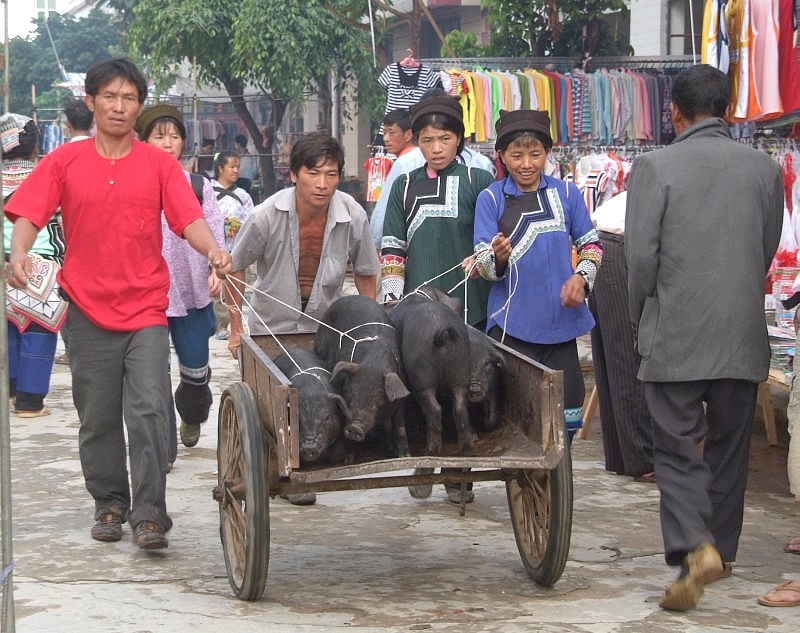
{"x": 703, "y": 221}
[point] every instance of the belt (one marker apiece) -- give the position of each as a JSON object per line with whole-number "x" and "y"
{"x": 613, "y": 237}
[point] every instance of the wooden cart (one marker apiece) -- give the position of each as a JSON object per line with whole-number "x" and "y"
{"x": 258, "y": 458}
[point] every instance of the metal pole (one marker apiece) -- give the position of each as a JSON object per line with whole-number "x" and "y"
{"x": 6, "y": 84}
{"x": 7, "y": 572}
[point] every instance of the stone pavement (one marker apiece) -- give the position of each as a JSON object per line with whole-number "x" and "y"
{"x": 373, "y": 561}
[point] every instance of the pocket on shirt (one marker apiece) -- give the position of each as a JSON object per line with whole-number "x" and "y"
{"x": 139, "y": 219}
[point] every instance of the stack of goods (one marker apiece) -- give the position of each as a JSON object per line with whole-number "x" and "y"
{"x": 782, "y": 336}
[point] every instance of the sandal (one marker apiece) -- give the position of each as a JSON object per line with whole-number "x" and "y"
{"x": 786, "y": 594}
{"x": 793, "y": 546}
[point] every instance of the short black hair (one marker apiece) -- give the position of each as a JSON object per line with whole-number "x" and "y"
{"x": 78, "y": 114}
{"x": 400, "y": 117}
{"x": 103, "y": 73}
{"x": 221, "y": 159}
{"x": 701, "y": 90}
{"x": 240, "y": 139}
{"x": 28, "y": 146}
{"x": 315, "y": 148}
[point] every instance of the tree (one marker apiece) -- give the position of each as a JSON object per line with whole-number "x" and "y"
{"x": 284, "y": 47}
{"x": 554, "y": 27}
{"x": 79, "y": 44}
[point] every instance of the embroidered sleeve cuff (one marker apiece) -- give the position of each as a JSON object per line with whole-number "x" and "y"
{"x": 485, "y": 261}
{"x": 393, "y": 277}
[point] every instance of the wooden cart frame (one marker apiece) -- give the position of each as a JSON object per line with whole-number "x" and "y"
{"x": 258, "y": 458}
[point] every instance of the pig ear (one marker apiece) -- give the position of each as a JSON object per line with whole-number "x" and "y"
{"x": 395, "y": 388}
{"x": 343, "y": 367}
{"x": 342, "y": 405}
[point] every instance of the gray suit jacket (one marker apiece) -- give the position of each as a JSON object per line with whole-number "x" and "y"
{"x": 703, "y": 221}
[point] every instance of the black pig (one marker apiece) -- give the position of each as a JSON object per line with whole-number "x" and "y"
{"x": 435, "y": 354}
{"x": 366, "y": 367}
{"x": 486, "y": 367}
{"x": 322, "y": 411}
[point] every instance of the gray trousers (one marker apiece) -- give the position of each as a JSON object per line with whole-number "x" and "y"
{"x": 122, "y": 377}
{"x": 702, "y": 495}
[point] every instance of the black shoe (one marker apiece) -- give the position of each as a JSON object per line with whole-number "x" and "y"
{"x": 149, "y": 535}
{"x": 301, "y": 498}
{"x": 108, "y": 528}
{"x": 190, "y": 434}
{"x": 454, "y": 495}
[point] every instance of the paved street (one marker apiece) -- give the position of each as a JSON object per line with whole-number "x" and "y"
{"x": 373, "y": 561}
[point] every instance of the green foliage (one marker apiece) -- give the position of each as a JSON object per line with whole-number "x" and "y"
{"x": 463, "y": 45}
{"x": 283, "y": 46}
{"x": 553, "y": 27}
{"x": 79, "y": 43}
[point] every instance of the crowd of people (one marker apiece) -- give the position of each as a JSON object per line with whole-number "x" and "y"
{"x": 695, "y": 236}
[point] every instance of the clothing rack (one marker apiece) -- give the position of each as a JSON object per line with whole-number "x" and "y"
{"x": 671, "y": 62}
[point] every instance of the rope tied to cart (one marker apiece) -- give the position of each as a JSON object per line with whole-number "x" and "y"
{"x": 342, "y": 335}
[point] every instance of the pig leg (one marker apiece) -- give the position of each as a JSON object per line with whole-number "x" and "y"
{"x": 432, "y": 411}
{"x": 399, "y": 433}
{"x": 466, "y": 436}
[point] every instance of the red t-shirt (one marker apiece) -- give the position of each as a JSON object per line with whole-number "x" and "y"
{"x": 113, "y": 269}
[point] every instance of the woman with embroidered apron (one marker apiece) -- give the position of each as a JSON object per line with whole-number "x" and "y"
{"x": 427, "y": 231}
{"x": 525, "y": 226}
{"x": 37, "y": 312}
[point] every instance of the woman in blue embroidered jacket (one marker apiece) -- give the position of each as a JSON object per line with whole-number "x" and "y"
{"x": 525, "y": 226}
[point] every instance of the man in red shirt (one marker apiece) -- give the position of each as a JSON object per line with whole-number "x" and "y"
{"x": 112, "y": 190}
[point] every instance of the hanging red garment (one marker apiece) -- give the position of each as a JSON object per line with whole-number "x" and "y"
{"x": 788, "y": 65}
{"x": 377, "y": 167}
{"x": 789, "y": 177}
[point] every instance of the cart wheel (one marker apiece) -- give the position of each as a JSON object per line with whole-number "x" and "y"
{"x": 242, "y": 492}
{"x": 540, "y": 503}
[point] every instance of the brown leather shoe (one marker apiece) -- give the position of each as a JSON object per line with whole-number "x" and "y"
{"x": 727, "y": 572}
{"x": 149, "y": 535}
{"x": 701, "y": 566}
{"x": 108, "y": 528}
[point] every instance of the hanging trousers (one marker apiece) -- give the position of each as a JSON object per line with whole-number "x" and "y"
{"x": 626, "y": 424}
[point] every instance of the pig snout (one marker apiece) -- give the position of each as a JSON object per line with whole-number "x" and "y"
{"x": 310, "y": 453}
{"x": 476, "y": 392}
{"x": 355, "y": 431}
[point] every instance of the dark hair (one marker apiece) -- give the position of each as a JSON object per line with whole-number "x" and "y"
{"x": 221, "y": 159}
{"x": 313, "y": 149}
{"x": 240, "y": 139}
{"x": 525, "y": 138}
{"x": 78, "y": 114}
{"x": 439, "y": 121}
{"x": 103, "y": 73}
{"x": 400, "y": 117}
{"x": 28, "y": 144}
{"x": 701, "y": 90}
{"x": 160, "y": 123}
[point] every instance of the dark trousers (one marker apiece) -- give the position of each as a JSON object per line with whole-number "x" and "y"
{"x": 122, "y": 377}
{"x": 563, "y": 356}
{"x": 626, "y": 424}
{"x": 702, "y": 494}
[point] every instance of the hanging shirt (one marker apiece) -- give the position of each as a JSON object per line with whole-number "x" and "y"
{"x": 405, "y": 85}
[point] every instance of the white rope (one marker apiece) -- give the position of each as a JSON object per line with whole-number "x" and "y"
{"x": 342, "y": 335}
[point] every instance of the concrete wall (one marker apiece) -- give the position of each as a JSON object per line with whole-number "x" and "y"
{"x": 648, "y": 33}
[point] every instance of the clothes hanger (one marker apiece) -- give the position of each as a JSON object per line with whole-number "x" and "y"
{"x": 409, "y": 61}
